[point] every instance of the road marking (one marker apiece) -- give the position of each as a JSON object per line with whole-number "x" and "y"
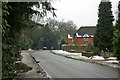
{"x": 99, "y": 75}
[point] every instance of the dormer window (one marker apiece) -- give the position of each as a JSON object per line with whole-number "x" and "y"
{"x": 85, "y": 35}
{"x": 85, "y": 40}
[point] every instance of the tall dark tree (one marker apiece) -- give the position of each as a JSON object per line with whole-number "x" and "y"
{"x": 49, "y": 37}
{"x": 116, "y": 39}
{"x": 105, "y": 29}
{"x": 16, "y": 16}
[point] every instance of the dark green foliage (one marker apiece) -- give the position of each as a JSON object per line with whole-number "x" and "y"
{"x": 16, "y": 17}
{"x": 8, "y": 54}
{"x": 25, "y": 42}
{"x": 20, "y": 66}
{"x": 43, "y": 37}
{"x": 49, "y": 38}
{"x": 92, "y": 48}
{"x": 116, "y": 39}
{"x": 89, "y": 48}
{"x": 105, "y": 29}
{"x": 48, "y": 35}
{"x": 8, "y": 59}
{"x": 77, "y": 48}
{"x": 116, "y": 43}
{"x": 62, "y": 41}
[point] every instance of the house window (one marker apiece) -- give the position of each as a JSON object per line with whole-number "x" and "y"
{"x": 85, "y": 39}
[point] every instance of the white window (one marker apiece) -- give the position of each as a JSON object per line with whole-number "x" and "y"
{"x": 85, "y": 39}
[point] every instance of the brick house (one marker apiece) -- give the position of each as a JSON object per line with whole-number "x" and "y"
{"x": 70, "y": 40}
{"x": 82, "y": 36}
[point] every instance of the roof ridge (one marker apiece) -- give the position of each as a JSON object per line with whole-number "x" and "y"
{"x": 87, "y": 29}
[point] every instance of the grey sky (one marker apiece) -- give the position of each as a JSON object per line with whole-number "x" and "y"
{"x": 81, "y": 12}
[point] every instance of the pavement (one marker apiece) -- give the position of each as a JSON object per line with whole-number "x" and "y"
{"x": 61, "y": 67}
{"x": 77, "y": 56}
{"x": 29, "y": 61}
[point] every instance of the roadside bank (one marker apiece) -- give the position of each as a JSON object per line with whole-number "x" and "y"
{"x": 36, "y": 72}
{"x": 112, "y": 62}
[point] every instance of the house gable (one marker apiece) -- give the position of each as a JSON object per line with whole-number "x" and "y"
{"x": 86, "y": 35}
{"x": 69, "y": 39}
{"x": 83, "y": 36}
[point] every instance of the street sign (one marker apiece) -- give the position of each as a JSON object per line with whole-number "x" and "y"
{"x": 58, "y": 41}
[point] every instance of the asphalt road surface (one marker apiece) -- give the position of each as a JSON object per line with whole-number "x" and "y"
{"x": 60, "y": 67}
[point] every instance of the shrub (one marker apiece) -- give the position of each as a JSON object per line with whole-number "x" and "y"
{"x": 96, "y": 51}
{"x": 21, "y": 66}
{"x": 92, "y": 48}
{"x": 116, "y": 44}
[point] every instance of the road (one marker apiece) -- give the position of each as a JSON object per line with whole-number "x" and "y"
{"x": 60, "y": 67}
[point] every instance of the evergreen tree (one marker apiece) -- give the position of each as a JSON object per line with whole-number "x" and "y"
{"x": 105, "y": 29}
{"x": 49, "y": 37}
{"x": 116, "y": 40}
{"x": 16, "y": 16}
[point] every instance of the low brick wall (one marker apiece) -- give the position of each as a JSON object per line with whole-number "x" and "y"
{"x": 107, "y": 54}
{"x": 87, "y": 54}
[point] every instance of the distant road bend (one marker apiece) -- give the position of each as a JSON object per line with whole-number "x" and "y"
{"x": 60, "y": 67}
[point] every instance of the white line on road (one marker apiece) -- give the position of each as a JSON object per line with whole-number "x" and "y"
{"x": 99, "y": 75}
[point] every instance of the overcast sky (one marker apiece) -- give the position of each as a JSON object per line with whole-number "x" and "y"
{"x": 81, "y": 12}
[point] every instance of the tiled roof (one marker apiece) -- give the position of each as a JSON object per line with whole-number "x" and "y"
{"x": 90, "y": 30}
{"x": 72, "y": 32}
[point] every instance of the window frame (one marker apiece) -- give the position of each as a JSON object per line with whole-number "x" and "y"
{"x": 86, "y": 39}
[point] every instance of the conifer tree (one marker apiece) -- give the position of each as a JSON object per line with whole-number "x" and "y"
{"x": 116, "y": 40}
{"x": 105, "y": 29}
